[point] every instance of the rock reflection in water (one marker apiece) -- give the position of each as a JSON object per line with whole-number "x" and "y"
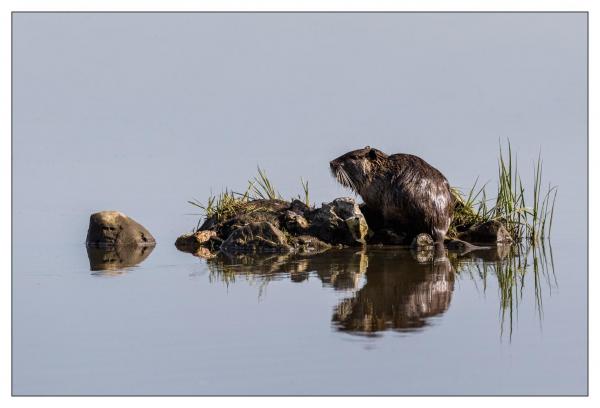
{"x": 340, "y": 269}
{"x": 112, "y": 261}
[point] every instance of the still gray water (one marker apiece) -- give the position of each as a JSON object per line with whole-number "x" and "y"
{"x": 142, "y": 112}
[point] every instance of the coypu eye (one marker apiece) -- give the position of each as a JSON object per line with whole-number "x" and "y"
{"x": 372, "y": 154}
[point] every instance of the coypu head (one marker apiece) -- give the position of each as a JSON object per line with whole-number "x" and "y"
{"x": 356, "y": 168}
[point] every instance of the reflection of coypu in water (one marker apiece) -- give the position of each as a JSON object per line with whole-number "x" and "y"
{"x": 401, "y": 294}
{"x": 402, "y": 289}
{"x": 409, "y": 194}
{"x": 116, "y": 258}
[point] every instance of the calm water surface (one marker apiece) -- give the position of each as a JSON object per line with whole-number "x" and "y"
{"x": 354, "y": 321}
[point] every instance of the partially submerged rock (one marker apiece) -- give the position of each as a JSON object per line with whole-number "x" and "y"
{"x": 490, "y": 232}
{"x": 192, "y": 242}
{"x": 113, "y": 228}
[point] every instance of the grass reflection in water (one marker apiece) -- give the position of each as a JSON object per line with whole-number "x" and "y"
{"x": 521, "y": 270}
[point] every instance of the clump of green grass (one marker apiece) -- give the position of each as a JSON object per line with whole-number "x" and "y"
{"x": 262, "y": 188}
{"x": 230, "y": 203}
{"x": 468, "y": 210}
{"x": 542, "y": 212}
{"x": 305, "y": 190}
{"x": 531, "y": 222}
{"x": 224, "y": 205}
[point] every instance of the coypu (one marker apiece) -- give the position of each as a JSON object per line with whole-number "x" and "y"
{"x": 408, "y": 193}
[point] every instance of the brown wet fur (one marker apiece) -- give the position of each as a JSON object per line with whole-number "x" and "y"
{"x": 409, "y": 194}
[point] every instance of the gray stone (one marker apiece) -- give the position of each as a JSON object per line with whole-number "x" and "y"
{"x": 113, "y": 228}
{"x": 358, "y": 228}
{"x": 298, "y": 207}
{"x": 490, "y": 232}
{"x": 339, "y": 222}
{"x": 346, "y": 207}
{"x": 192, "y": 242}
{"x": 294, "y": 222}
